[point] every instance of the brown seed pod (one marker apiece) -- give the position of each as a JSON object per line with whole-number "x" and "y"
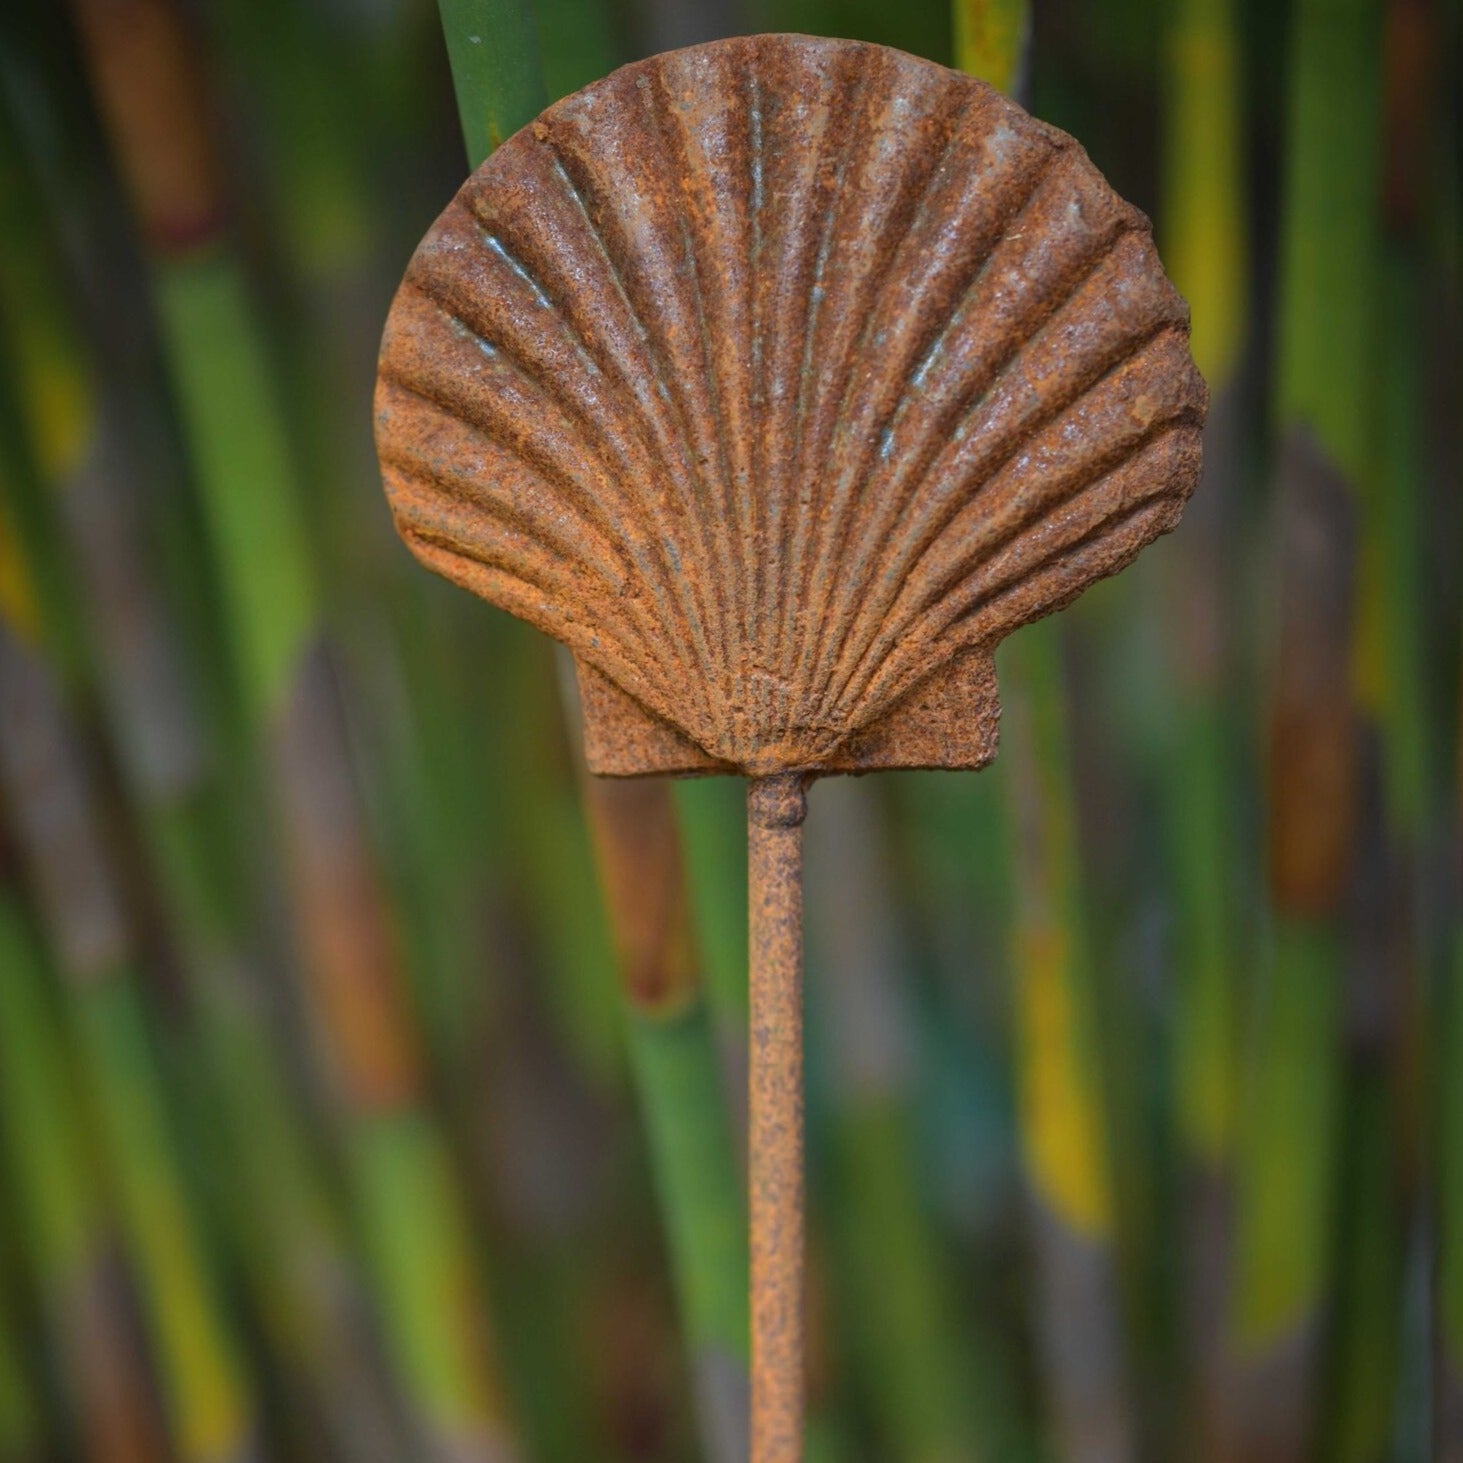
{"x": 781, "y": 378}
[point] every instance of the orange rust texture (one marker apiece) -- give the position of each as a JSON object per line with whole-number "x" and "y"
{"x": 776, "y": 807}
{"x": 351, "y": 947}
{"x": 781, "y": 378}
{"x": 147, "y": 68}
{"x": 1314, "y": 734}
{"x": 639, "y": 848}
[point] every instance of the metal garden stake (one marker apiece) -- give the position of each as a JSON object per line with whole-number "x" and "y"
{"x": 781, "y": 378}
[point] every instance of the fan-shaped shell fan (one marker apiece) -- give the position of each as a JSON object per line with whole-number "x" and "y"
{"x": 780, "y": 378}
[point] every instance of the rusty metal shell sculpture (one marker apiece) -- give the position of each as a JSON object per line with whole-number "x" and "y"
{"x": 781, "y": 378}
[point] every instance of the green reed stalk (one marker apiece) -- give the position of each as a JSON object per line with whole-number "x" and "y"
{"x": 1391, "y": 673}
{"x": 551, "y": 1029}
{"x": 674, "y": 1059}
{"x": 1064, "y": 1127}
{"x": 207, "y": 1393}
{"x": 1288, "y": 1142}
{"x": 432, "y": 804}
{"x": 412, "y": 1218}
{"x": 713, "y": 818}
{"x": 897, "y": 1309}
{"x": 1205, "y": 248}
{"x": 991, "y": 38}
{"x": 1446, "y": 1090}
{"x": 59, "y": 1218}
{"x": 1371, "y": 1271}
{"x": 1386, "y": 1024}
{"x": 299, "y": 70}
{"x": 1448, "y": 1141}
{"x": 61, "y": 837}
{"x": 552, "y": 844}
{"x": 1206, "y": 255}
{"x": 496, "y": 68}
{"x": 1064, "y": 1133}
{"x": 22, "y": 1422}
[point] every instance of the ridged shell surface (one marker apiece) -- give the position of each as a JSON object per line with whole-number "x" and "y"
{"x": 780, "y": 378}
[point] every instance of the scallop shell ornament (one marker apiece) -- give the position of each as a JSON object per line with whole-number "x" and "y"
{"x": 781, "y": 378}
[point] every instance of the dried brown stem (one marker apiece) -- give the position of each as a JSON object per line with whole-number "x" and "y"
{"x": 775, "y": 810}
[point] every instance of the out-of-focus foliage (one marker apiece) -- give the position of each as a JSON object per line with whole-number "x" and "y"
{"x": 331, "y": 1126}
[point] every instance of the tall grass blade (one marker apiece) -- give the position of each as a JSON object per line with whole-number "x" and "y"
{"x": 1448, "y": 1140}
{"x": 1288, "y": 1147}
{"x": 899, "y": 1323}
{"x": 1383, "y": 1231}
{"x": 642, "y": 875}
{"x": 207, "y": 1394}
{"x": 497, "y": 69}
{"x": 1064, "y": 1132}
{"x": 22, "y": 1422}
{"x": 1206, "y": 246}
{"x": 991, "y": 40}
{"x": 674, "y": 1056}
{"x": 58, "y": 1218}
{"x": 1385, "y": 1024}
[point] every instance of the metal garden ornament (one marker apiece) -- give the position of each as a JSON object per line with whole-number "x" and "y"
{"x": 780, "y": 379}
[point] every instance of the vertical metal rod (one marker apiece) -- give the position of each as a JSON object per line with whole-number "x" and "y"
{"x": 776, "y": 807}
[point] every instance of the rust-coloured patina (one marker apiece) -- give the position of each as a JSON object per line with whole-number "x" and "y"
{"x": 781, "y": 378}
{"x": 776, "y": 807}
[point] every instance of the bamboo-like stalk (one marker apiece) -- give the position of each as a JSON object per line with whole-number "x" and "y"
{"x": 58, "y": 830}
{"x": 1371, "y": 1269}
{"x": 673, "y": 1053}
{"x": 932, "y": 1391}
{"x": 55, "y": 1205}
{"x": 991, "y": 37}
{"x": 22, "y": 1423}
{"x": 1385, "y": 1018}
{"x": 497, "y": 69}
{"x": 61, "y": 838}
{"x": 1446, "y": 1149}
{"x": 498, "y": 81}
{"x": 1064, "y": 1133}
{"x": 152, "y": 93}
{"x": 1288, "y": 1142}
{"x": 711, "y": 812}
{"x": 428, "y": 789}
{"x": 1448, "y": 1141}
{"x": 436, "y": 810}
{"x": 642, "y": 875}
{"x": 1204, "y": 228}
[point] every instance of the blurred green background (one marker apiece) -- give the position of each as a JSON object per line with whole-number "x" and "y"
{"x": 371, "y": 1085}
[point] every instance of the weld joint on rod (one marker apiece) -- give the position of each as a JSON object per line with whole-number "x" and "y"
{"x": 779, "y": 801}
